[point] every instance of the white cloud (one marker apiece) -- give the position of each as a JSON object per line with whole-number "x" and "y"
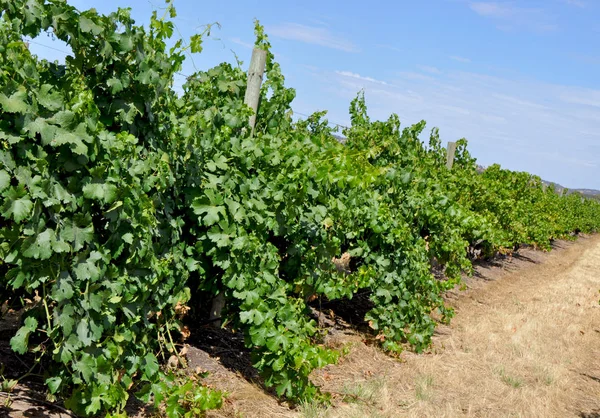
{"x": 492, "y": 9}
{"x": 319, "y": 22}
{"x": 311, "y": 35}
{"x": 408, "y": 75}
{"x": 242, "y": 43}
{"x": 390, "y": 47}
{"x": 360, "y": 77}
{"x": 456, "y": 109}
{"x": 429, "y": 69}
{"x": 587, "y": 97}
{"x": 510, "y": 17}
{"x": 460, "y": 59}
{"x": 492, "y": 118}
{"x": 577, "y": 3}
{"x": 518, "y": 101}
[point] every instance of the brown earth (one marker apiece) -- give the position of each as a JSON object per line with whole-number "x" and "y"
{"x": 525, "y": 342}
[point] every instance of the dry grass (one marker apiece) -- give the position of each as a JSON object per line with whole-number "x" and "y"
{"x": 527, "y": 345}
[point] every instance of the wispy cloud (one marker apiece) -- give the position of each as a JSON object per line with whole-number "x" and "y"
{"x": 509, "y": 17}
{"x": 518, "y": 101}
{"x": 319, "y": 22}
{"x": 242, "y": 43}
{"x": 460, "y": 59}
{"x": 312, "y": 35}
{"x": 409, "y": 75}
{"x": 586, "y": 97}
{"x": 390, "y": 47}
{"x": 456, "y": 109}
{"x": 360, "y": 77}
{"x": 576, "y": 3}
{"x": 429, "y": 69}
{"x": 492, "y": 9}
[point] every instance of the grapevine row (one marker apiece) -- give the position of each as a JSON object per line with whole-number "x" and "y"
{"x": 121, "y": 202}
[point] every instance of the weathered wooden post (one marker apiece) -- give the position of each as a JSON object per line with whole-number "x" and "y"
{"x": 451, "y": 150}
{"x": 255, "y": 76}
{"x": 258, "y": 63}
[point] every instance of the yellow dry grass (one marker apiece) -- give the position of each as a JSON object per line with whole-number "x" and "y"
{"x": 526, "y": 345}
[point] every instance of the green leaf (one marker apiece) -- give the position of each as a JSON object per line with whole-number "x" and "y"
{"x": 63, "y": 288}
{"x": 16, "y": 103}
{"x": 218, "y": 162}
{"x": 212, "y": 212}
{"x": 12, "y": 139}
{"x": 64, "y": 118}
{"x": 87, "y": 25}
{"x": 66, "y": 319}
{"x": 78, "y": 231}
{"x": 60, "y": 247}
{"x": 125, "y": 42}
{"x": 51, "y": 101}
{"x": 276, "y": 342}
{"x": 98, "y": 394}
{"x": 218, "y": 237}
{"x": 103, "y": 192}
{"x": 196, "y": 43}
{"x": 16, "y": 206}
{"x": 258, "y": 335}
{"x": 41, "y": 126}
{"x": 115, "y": 85}
{"x": 20, "y": 342}
{"x": 86, "y": 366}
{"x": 18, "y": 281}
{"x": 41, "y": 248}
{"x": 236, "y": 209}
{"x": 54, "y": 383}
{"x": 73, "y": 139}
{"x": 88, "y": 270}
{"x": 252, "y": 316}
{"x": 233, "y": 121}
{"x": 4, "y": 180}
{"x": 150, "y": 365}
{"x": 83, "y": 332}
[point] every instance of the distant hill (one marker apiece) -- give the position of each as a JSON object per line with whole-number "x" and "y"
{"x": 589, "y": 192}
{"x": 585, "y": 192}
{"x": 340, "y": 139}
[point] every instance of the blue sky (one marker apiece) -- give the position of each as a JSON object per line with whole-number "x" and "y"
{"x": 518, "y": 79}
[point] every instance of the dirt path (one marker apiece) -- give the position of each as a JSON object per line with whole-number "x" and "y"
{"x": 525, "y": 342}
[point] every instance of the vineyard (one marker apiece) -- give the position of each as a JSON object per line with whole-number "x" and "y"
{"x": 123, "y": 204}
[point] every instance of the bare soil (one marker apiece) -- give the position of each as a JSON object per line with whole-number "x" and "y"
{"x": 525, "y": 342}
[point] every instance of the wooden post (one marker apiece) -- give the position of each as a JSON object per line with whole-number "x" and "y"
{"x": 218, "y": 303}
{"x": 255, "y": 75}
{"x": 451, "y": 150}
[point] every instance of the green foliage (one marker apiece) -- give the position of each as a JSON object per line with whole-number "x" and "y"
{"x": 84, "y": 171}
{"x": 121, "y": 200}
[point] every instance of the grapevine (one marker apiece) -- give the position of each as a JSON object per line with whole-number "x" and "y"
{"x": 122, "y": 201}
